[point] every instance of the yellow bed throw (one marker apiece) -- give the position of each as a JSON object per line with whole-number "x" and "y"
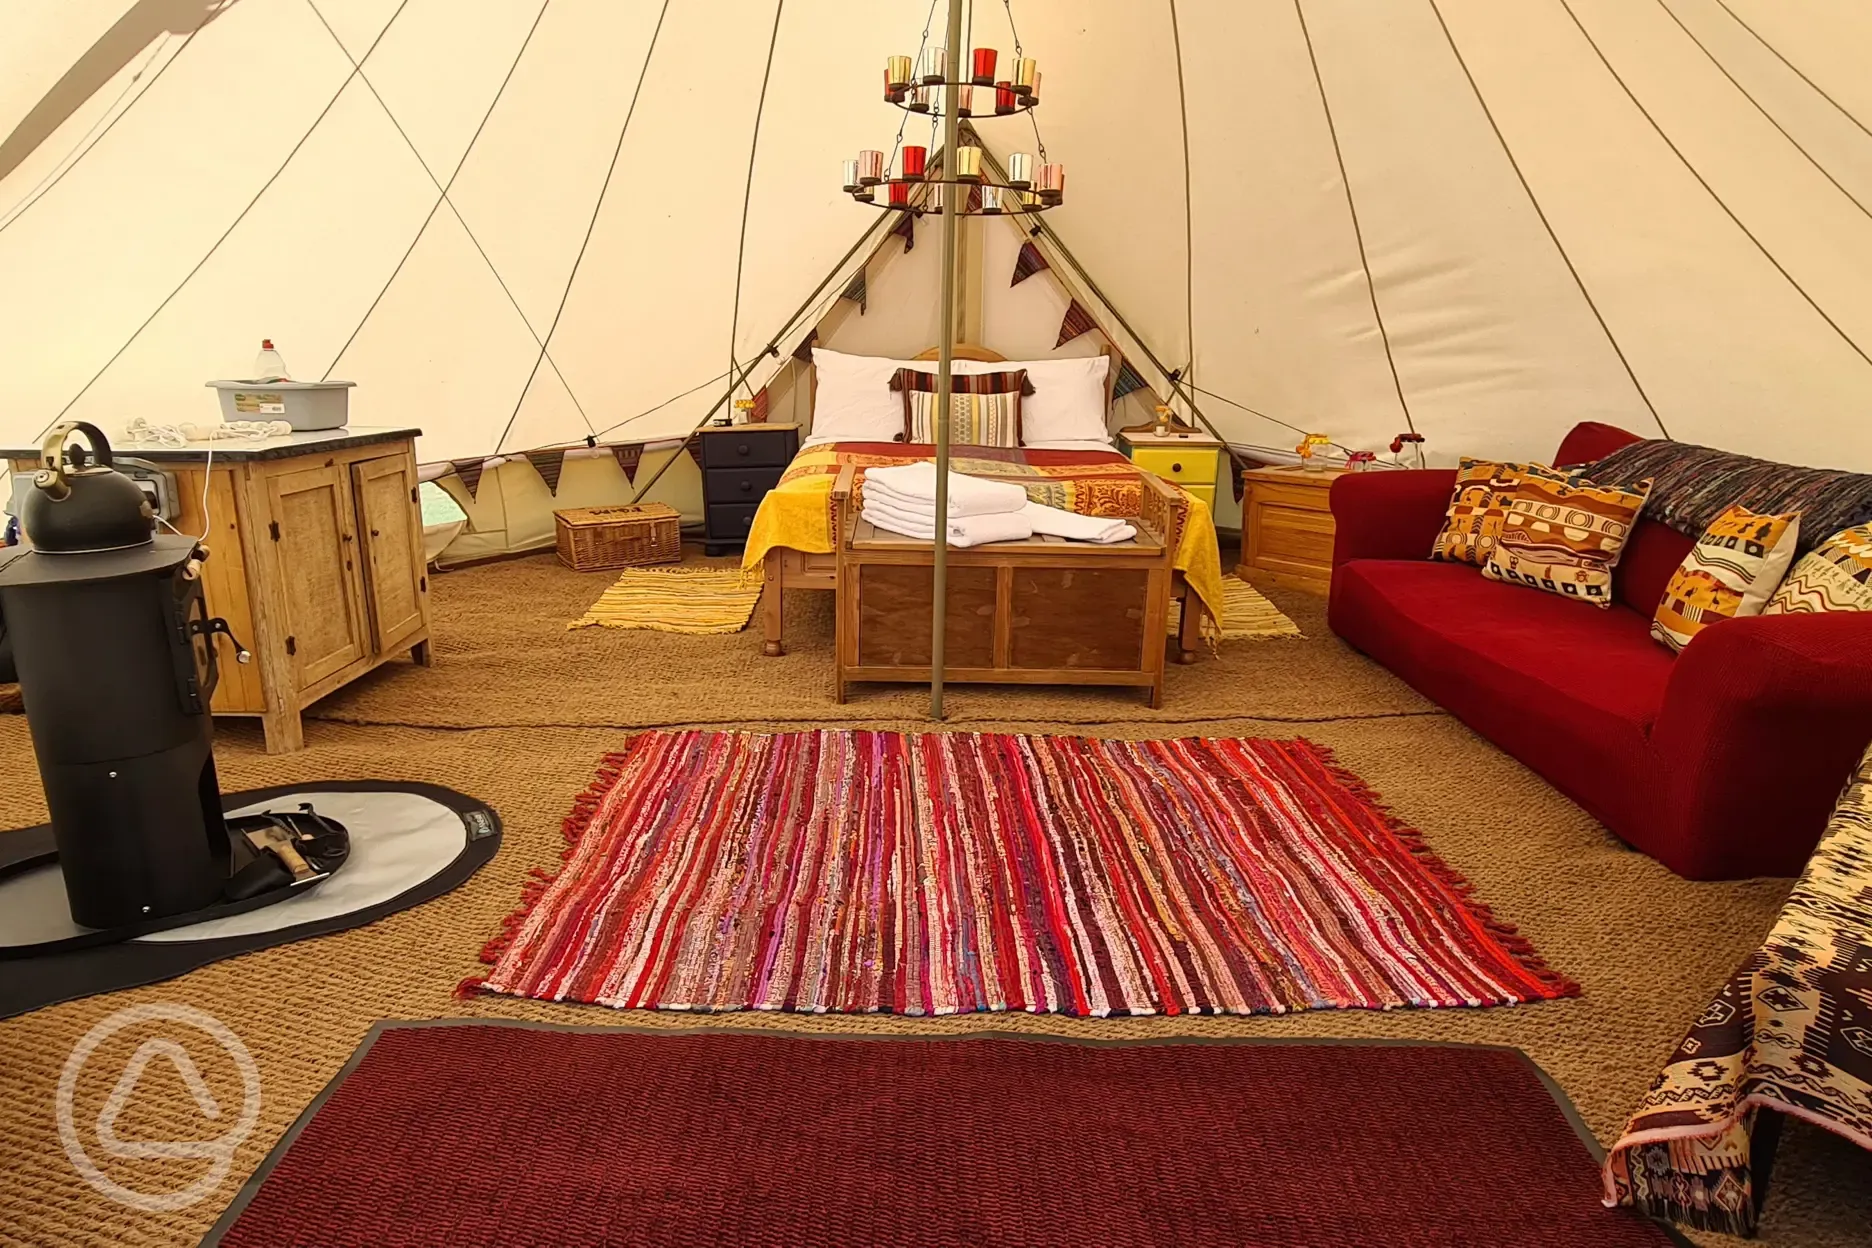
{"x": 795, "y": 513}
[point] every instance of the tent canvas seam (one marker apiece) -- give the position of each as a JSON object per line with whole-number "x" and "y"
{"x": 1534, "y": 201}
{"x": 604, "y": 189}
{"x": 1724, "y": 70}
{"x": 1701, "y": 181}
{"x": 356, "y": 68}
{"x": 1358, "y": 235}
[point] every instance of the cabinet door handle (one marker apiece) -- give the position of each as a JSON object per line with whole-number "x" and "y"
{"x": 741, "y": 448}
{"x": 374, "y": 533}
{"x": 1176, "y": 467}
{"x": 747, "y": 487}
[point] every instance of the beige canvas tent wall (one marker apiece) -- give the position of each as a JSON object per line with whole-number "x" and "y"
{"x": 521, "y": 223}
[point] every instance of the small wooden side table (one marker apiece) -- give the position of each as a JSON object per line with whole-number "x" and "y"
{"x": 1186, "y": 458}
{"x": 1287, "y": 527}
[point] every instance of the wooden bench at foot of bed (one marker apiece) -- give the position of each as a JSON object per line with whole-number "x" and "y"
{"x": 788, "y": 569}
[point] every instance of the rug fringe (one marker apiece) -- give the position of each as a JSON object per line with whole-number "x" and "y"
{"x": 1505, "y": 934}
{"x": 585, "y": 808}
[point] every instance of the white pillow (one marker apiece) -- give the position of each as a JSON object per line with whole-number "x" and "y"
{"x": 1068, "y": 399}
{"x": 854, "y": 403}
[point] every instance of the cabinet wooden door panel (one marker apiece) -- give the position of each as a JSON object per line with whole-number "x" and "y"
{"x": 312, "y": 510}
{"x": 392, "y": 553}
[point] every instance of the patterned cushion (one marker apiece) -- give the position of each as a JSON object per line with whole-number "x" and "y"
{"x": 1694, "y": 485}
{"x": 1837, "y": 576}
{"x": 984, "y": 409}
{"x": 1729, "y": 573}
{"x": 1565, "y": 538}
{"x": 1480, "y": 504}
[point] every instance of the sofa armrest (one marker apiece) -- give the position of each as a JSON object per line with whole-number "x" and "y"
{"x": 1389, "y": 514}
{"x": 1763, "y": 720}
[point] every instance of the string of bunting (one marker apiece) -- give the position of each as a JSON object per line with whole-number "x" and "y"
{"x": 855, "y": 291}
{"x": 1028, "y": 263}
{"x": 906, "y": 230}
{"x": 1076, "y": 321}
{"x": 628, "y": 457}
{"x": 549, "y": 463}
{"x": 1129, "y": 379}
{"x": 469, "y": 470}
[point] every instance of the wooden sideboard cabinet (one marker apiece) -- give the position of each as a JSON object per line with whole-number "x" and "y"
{"x": 315, "y": 559}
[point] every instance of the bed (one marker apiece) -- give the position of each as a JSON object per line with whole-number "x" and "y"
{"x": 793, "y": 536}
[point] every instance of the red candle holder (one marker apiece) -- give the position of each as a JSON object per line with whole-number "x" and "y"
{"x": 914, "y": 159}
{"x": 984, "y": 67}
{"x": 1004, "y": 98}
{"x": 900, "y": 194}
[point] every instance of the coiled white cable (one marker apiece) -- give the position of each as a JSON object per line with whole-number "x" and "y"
{"x": 140, "y": 431}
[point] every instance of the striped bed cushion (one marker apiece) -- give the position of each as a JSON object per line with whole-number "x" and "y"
{"x": 984, "y": 408}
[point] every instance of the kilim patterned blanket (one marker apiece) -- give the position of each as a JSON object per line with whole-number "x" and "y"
{"x": 796, "y": 514}
{"x": 1692, "y": 485}
{"x": 1790, "y": 1033}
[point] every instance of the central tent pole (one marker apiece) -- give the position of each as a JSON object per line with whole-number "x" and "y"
{"x": 945, "y": 357}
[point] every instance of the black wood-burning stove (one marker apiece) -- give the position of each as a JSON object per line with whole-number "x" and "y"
{"x": 116, "y": 658}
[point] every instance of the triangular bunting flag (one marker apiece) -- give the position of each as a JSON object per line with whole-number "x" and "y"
{"x": 549, "y": 464}
{"x": 694, "y": 447}
{"x": 1077, "y": 321}
{"x": 469, "y": 470}
{"x": 1129, "y": 379}
{"x": 803, "y": 352}
{"x": 1028, "y": 263}
{"x": 1235, "y": 476}
{"x": 762, "y": 405}
{"x": 906, "y": 230}
{"x": 856, "y": 291}
{"x": 628, "y": 457}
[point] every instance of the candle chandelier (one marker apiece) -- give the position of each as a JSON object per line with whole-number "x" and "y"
{"x": 932, "y": 86}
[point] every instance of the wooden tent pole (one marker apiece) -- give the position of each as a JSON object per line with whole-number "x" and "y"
{"x": 945, "y": 358}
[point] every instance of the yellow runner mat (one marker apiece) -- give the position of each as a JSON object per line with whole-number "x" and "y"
{"x": 677, "y": 600}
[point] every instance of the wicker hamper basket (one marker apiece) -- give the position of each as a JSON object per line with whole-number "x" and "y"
{"x": 591, "y": 539}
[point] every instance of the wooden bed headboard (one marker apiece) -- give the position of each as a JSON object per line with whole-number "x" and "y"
{"x": 982, "y": 355}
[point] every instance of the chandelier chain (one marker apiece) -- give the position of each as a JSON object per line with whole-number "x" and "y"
{"x": 1039, "y": 142}
{"x": 897, "y": 144}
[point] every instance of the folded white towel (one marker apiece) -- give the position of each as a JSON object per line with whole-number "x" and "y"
{"x": 968, "y": 496}
{"x": 963, "y": 530}
{"x": 1074, "y": 527}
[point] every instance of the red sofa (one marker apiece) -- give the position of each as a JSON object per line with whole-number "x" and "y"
{"x": 1721, "y": 762}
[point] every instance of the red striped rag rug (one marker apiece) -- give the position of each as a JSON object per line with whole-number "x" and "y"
{"x": 949, "y": 872}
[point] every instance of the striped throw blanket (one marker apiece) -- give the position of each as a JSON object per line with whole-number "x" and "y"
{"x": 1693, "y": 485}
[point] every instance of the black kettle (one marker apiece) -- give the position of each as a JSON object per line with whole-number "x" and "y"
{"x": 81, "y": 507}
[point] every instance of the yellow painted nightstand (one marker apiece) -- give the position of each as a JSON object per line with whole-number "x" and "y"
{"x": 1186, "y": 458}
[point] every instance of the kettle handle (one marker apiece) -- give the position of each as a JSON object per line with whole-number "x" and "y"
{"x": 51, "y": 474}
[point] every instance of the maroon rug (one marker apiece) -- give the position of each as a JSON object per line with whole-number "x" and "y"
{"x": 515, "y": 1134}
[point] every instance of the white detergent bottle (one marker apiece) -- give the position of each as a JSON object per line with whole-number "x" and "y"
{"x": 268, "y": 366}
